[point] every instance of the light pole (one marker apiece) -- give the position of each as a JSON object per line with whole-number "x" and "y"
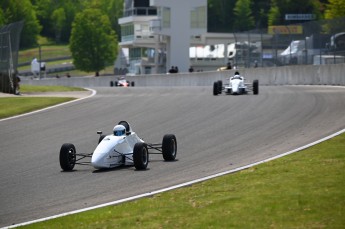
{"x": 39, "y": 62}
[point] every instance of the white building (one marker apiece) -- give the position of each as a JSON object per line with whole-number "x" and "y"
{"x": 160, "y": 34}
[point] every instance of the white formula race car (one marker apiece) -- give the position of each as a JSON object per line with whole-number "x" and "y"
{"x": 123, "y": 147}
{"x": 236, "y": 86}
{"x": 122, "y": 82}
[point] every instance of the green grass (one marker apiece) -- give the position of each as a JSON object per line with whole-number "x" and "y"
{"x": 11, "y": 106}
{"x": 47, "y": 52}
{"x": 302, "y": 190}
{"x": 26, "y": 88}
{"x": 19, "y": 105}
{"x": 50, "y": 50}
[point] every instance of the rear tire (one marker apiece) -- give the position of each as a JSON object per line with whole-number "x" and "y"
{"x": 132, "y": 84}
{"x": 220, "y": 86}
{"x": 140, "y": 156}
{"x": 169, "y": 147}
{"x": 111, "y": 84}
{"x": 215, "y": 88}
{"x": 67, "y": 157}
{"x": 256, "y": 87}
{"x": 116, "y": 84}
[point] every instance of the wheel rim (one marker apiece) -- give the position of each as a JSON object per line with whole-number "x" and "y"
{"x": 173, "y": 147}
{"x": 144, "y": 156}
{"x": 71, "y": 156}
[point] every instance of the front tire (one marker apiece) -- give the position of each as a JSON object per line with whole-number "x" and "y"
{"x": 215, "y": 88}
{"x": 169, "y": 147}
{"x": 67, "y": 157}
{"x": 140, "y": 156}
{"x": 256, "y": 87}
{"x": 220, "y": 86}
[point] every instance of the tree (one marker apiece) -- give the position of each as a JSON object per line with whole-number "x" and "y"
{"x": 93, "y": 43}
{"x": 279, "y": 8}
{"x": 274, "y": 16}
{"x": 112, "y": 8}
{"x": 18, "y": 10}
{"x": 220, "y": 15}
{"x": 243, "y": 16}
{"x": 59, "y": 18}
{"x": 2, "y": 17}
{"x": 335, "y": 9}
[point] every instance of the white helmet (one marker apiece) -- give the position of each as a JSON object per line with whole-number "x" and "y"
{"x": 119, "y": 130}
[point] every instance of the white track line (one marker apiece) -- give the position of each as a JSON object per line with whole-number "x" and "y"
{"x": 179, "y": 185}
{"x": 61, "y": 104}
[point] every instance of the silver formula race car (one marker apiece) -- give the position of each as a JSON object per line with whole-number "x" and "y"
{"x": 123, "y": 147}
{"x": 236, "y": 86}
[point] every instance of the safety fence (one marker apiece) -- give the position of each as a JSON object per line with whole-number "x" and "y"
{"x": 310, "y": 43}
{"x": 9, "y": 47}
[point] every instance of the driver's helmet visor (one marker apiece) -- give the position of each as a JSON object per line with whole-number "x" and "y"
{"x": 119, "y": 132}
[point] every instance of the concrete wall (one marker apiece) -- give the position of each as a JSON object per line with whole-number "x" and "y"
{"x": 288, "y": 75}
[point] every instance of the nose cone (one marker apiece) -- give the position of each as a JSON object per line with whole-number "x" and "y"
{"x": 235, "y": 89}
{"x": 97, "y": 161}
{"x": 101, "y": 156}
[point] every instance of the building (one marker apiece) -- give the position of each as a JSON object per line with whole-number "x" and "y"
{"x": 159, "y": 34}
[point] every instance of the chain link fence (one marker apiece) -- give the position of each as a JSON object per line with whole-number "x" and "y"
{"x": 9, "y": 47}
{"x": 310, "y": 43}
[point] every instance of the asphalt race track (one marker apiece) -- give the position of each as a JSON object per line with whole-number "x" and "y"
{"x": 214, "y": 134}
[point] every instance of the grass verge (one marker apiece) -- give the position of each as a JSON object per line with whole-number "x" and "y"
{"x": 26, "y": 88}
{"x": 47, "y": 51}
{"x": 11, "y": 106}
{"x": 20, "y": 105}
{"x": 302, "y": 190}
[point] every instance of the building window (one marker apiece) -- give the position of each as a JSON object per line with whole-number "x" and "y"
{"x": 139, "y": 53}
{"x": 141, "y": 3}
{"x": 127, "y": 32}
{"x": 166, "y": 17}
{"x": 198, "y": 18}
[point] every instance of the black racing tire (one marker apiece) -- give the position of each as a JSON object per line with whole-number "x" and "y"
{"x": 111, "y": 84}
{"x": 140, "y": 156}
{"x": 101, "y": 138}
{"x": 215, "y": 88}
{"x": 169, "y": 147}
{"x": 132, "y": 84}
{"x": 67, "y": 157}
{"x": 256, "y": 87}
{"x": 220, "y": 86}
{"x": 116, "y": 84}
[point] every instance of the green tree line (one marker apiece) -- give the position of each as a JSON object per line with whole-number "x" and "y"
{"x": 54, "y": 18}
{"x": 242, "y": 15}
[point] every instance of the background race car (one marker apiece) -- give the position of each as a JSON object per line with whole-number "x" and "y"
{"x": 122, "y": 82}
{"x": 236, "y": 86}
